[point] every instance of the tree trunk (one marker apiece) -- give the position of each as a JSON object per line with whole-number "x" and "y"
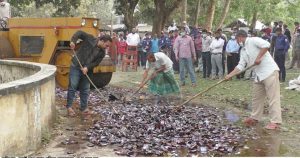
{"x": 129, "y": 21}
{"x": 254, "y": 17}
{"x": 253, "y": 21}
{"x": 197, "y": 13}
{"x": 210, "y": 15}
{"x": 224, "y": 13}
{"x": 162, "y": 13}
{"x": 184, "y": 9}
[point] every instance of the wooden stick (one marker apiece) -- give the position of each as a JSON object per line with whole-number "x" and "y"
{"x": 209, "y": 88}
{"x": 145, "y": 82}
{"x": 93, "y": 82}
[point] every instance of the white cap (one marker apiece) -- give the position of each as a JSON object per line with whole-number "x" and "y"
{"x": 184, "y": 22}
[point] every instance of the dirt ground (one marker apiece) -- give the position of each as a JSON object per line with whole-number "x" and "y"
{"x": 69, "y": 137}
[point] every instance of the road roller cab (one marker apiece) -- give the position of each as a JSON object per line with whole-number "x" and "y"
{"x": 46, "y": 40}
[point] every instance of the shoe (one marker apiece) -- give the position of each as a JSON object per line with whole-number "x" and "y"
{"x": 71, "y": 112}
{"x": 272, "y": 126}
{"x": 194, "y": 85}
{"x": 182, "y": 84}
{"x": 250, "y": 121}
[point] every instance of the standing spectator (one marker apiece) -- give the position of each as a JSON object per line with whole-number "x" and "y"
{"x": 224, "y": 37}
{"x": 173, "y": 56}
{"x": 268, "y": 29}
{"x": 296, "y": 50}
{"x": 154, "y": 44}
{"x": 5, "y": 10}
{"x": 122, "y": 47}
{"x": 113, "y": 48}
{"x": 297, "y": 27}
{"x": 265, "y": 36}
{"x": 146, "y": 43}
{"x": 274, "y": 27}
{"x": 232, "y": 51}
{"x": 287, "y": 32}
{"x": 198, "y": 47}
{"x": 140, "y": 54}
{"x": 185, "y": 54}
{"x": 172, "y": 27}
{"x": 194, "y": 32}
{"x": 266, "y": 84}
{"x": 206, "y": 55}
{"x": 186, "y": 28}
{"x": 133, "y": 39}
{"x": 280, "y": 25}
{"x": 280, "y": 46}
{"x": 164, "y": 41}
{"x": 216, "y": 48}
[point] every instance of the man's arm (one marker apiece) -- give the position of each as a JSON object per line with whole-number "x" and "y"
{"x": 193, "y": 49}
{"x": 264, "y": 46}
{"x": 176, "y": 48}
{"x": 240, "y": 67}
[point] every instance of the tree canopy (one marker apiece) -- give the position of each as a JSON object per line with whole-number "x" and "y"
{"x": 162, "y": 12}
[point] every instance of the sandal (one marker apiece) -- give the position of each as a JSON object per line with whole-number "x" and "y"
{"x": 71, "y": 112}
{"x": 272, "y": 126}
{"x": 86, "y": 114}
{"x": 250, "y": 122}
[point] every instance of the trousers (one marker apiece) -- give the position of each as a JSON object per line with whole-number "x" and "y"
{"x": 186, "y": 63}
{"x": 78, "y": 81}
{"x": 206, "y": 61}
{"x": 216, "y": 63}
{"x": 268, "y": 88}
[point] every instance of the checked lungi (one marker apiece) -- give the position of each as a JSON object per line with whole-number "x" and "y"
{"x": 164, "y": 83}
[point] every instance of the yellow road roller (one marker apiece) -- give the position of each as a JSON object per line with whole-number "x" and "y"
{"x": 46, "y": 40}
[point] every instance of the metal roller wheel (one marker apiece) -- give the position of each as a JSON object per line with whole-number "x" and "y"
{"x": 101, "y": 79}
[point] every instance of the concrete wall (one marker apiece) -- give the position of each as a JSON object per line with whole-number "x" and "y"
{"x": 27, "y": 105}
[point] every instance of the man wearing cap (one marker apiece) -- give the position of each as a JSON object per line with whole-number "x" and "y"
{"x": 90, "y": 53}
{"x": 186, "y": 28}
{"x": 280, "y": 46}
{"x": 255, "y": 51}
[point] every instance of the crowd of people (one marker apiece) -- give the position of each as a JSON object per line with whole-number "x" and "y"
{"x": 211, "y": 53}
{"x": 187, "y": 50}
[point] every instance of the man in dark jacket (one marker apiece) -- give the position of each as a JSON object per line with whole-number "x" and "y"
{"x": 90, "y": 53}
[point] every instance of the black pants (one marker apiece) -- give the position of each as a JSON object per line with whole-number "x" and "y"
{"x": 223, "y": 63}
{"x": 206, "y": 61}
{"x": 280, "y": 60}
{"x": 142, "y": 58}
{"x": 232, "y": 61}
{"x": 175, "y": 63}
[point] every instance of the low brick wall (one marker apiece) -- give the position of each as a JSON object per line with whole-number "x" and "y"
{"x": 27, "y": 105}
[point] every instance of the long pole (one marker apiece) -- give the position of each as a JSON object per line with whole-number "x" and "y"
{"x": 209, "y": 88}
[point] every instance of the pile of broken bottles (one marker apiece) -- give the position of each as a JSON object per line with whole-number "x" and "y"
{"x": 141, "y": 128}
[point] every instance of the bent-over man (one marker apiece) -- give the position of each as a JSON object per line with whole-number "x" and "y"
{"x": 162, "y": 80}
{"x": 90, "y": 53}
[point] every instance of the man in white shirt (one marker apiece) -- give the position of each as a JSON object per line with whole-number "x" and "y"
{"x": 186, "y": 27}
{"x": 216, "y": 48}
{"x": 255, "y": 51}
{"x": 133, "y": 39}
{"x": 4, "y": 9}
{"x": 162, "y": 80}
{"x": 172, "y": 27}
